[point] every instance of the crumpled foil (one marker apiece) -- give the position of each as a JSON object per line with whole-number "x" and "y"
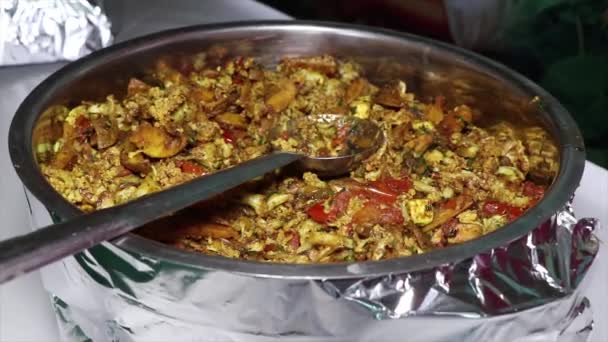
{"x": 38, "y": 31}
{"x": 525, "y": 291}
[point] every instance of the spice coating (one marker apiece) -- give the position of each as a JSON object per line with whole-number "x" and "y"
{"x": 439, "y": 178}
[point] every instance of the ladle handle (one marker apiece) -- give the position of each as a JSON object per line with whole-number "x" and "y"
{"x": 28, "y": 252}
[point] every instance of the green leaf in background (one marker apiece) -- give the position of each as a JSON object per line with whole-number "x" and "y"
{"x": 567, "y": 43}
{"x": 529, "y": 9}
{"x": 581, "y": 84}
{"x": 588, "y": 73}
{"x": 594, "y": 122}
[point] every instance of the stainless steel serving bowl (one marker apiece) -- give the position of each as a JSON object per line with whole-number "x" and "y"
{"x": 428, "y": 67}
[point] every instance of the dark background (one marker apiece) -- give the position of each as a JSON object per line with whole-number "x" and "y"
{"x": 560, "y": 44}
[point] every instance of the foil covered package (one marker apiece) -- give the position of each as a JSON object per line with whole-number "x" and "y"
{"x": 525, "y": 291}
{"x": 39, "y": 31}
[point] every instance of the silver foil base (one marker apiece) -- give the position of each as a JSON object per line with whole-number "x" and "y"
{"x": 526, "y": 291}
{"x": 38, "y": 31}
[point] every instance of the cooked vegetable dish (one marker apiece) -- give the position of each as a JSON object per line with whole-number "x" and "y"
{"x": 324, "y": 136}
{"x": 439, "y": 178}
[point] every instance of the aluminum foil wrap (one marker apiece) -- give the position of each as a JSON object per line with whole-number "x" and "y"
{"x": 525, "y": 291}
{"x": 38, "y": 31}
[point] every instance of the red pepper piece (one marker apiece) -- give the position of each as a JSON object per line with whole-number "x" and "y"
{"x": 491, "y": 208}
{"x": 190, "y": 167}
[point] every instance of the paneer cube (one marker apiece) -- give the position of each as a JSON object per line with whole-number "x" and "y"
{"x": 361, "y": 107}
{"x": 420, "y": 211}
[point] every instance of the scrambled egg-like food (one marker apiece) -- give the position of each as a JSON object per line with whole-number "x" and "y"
{"x": 439, "y": 179}
{"x": 317, "y": 136}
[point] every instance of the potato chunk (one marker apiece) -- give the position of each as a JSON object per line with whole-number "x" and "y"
{"x": 232, "y": 119}
{"x": 281, "y": 97}
{"x": 392, "y": 94}
{"x": 157, "y": 143}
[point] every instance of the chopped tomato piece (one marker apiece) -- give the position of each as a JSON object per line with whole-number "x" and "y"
{"x": 270, "y": 247}
{"x": 451, "y": 124}
{"x": 84, "y": 128}
{"x": 390, "y": 186}
{"x": 377, "y": 195}
{"x": 338, "y": 205}
{"x": 190, "y": 167}
{"x": 514, "y": 213}
{"x": 317, "y": 213}
{"x": 535, "y": 192}
{"x": 228, "y": 136}
{"x": 382, "y": 192}
{"x": 494, "y": 208}
{"x": 377, "y": 213}
{"x": 452, "y": 203}
{"x": 232, "y": 135}
{"x": 491, "y": 208}
{"x": 295, "y": 240}
{"x": 340, "y": 202}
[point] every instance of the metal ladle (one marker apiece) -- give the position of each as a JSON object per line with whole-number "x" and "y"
{"x": 31, "y": 251}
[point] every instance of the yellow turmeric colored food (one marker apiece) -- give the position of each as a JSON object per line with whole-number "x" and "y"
{"x": 439, "y": 178}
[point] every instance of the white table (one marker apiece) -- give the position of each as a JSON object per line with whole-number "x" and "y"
{"x": 25, "y": 310}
